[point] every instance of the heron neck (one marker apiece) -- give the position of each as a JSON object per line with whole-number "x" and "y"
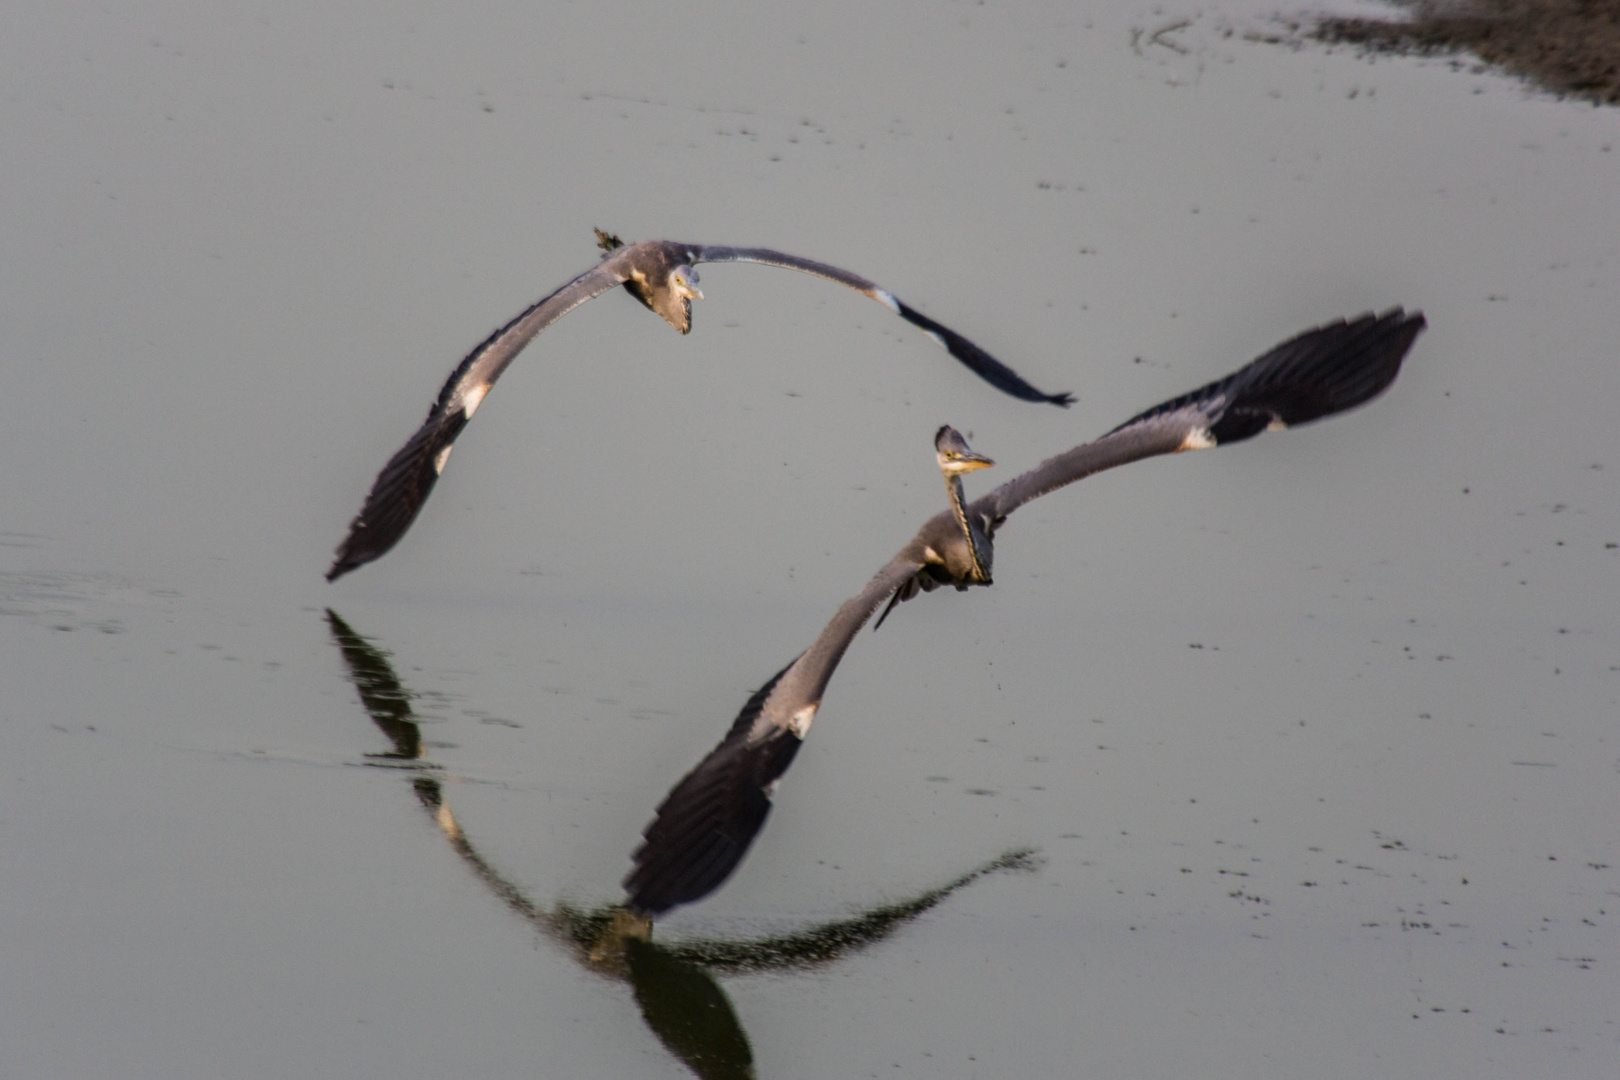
{"x": 953, "y": 489}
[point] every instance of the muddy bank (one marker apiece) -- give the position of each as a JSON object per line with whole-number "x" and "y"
{"x": 1569, "y": 47}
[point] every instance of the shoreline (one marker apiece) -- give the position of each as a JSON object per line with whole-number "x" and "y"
{"x": 1570, "y": 48}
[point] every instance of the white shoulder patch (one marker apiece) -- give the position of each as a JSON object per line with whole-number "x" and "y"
{"x": 447, "y": 822}
{"x": 472, "y": 399}
{"x": 441, "y": 457}
{"x": 799, "y": 722}
{"x": 886, "y": 299}
{"x": 1197, "y": 439}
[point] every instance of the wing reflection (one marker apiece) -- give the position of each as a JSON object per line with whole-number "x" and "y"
{"x": 674, "y": 984}
{"x": 680, "y": 1001}
{"x": 388, "y": 702}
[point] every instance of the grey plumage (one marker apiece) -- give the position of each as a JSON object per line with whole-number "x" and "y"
{"x": 705, "y": 825}
{"x": 662, "y": 275}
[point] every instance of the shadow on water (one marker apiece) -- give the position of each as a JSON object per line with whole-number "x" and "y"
{"x": 674, "y": 984}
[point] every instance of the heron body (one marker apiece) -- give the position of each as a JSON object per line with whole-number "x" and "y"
{"x": 660, "y": 274}
{"x": 953, "y": 549}
{"x": 706, "y": 823}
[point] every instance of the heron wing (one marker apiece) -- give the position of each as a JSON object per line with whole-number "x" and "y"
{"x": 404, "y": 483}
{"x": 987, "y": 367}
{"x": 705, "y": 825}
{"x": 1316, "y": 374}
{"x": 707, "y": 821}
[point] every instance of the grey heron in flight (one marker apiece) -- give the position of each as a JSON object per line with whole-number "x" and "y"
{"x": 706, "y": 823}
{"x": 662, "y": 275}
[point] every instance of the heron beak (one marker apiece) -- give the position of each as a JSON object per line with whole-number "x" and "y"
{"x": 688, "y": 279}
{"x": 964, "y": 463}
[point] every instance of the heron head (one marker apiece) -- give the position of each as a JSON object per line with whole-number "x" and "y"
{"x": 954, "y": 455}
{"x": 683, "y": 281}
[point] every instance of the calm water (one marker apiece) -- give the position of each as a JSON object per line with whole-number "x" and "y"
{"x": 1315, "y": 737}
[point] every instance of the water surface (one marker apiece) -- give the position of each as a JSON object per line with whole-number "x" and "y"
{"x": 1315, "y": 735}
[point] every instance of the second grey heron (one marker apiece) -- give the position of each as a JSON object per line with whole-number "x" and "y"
{"x": 661, "y": 274}
{"x": 707, "y": 822}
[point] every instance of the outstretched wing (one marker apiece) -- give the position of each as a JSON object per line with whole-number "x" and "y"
{"x": 706, "y": 823}
{"x": 404, "y": 483}
{"x": 708, "y": 820}
{"x": 1319, "y": 373}
{"x": 987, "y": 367}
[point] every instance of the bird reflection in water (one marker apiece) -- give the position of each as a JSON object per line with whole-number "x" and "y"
{"x": 381, "y": 692}
{"x": 674, "y": 984}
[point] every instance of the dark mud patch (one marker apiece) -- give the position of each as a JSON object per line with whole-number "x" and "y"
{"x": 1569, "y": 47}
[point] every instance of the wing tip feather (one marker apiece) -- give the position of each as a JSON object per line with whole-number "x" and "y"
{"x": 706, "y": 824}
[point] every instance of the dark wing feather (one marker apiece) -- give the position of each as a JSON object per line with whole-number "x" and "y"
{"x": 398, "y": 493}
{"x": 707, "y": 822}
{"x": 984, "y": 365}
{"x": 406, "y": 481}
{"x": 1316, "y": 374}
{"x": 978, "y": 361}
